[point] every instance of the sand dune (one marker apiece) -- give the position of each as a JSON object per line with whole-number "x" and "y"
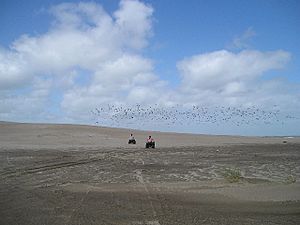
{"x": 64, "y": 136}
{"x": 75, "y": 174}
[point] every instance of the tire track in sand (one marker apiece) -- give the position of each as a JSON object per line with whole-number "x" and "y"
{"x": 140, "y": 178}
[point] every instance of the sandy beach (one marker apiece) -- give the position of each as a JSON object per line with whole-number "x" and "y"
{"x": 78, "y": 174}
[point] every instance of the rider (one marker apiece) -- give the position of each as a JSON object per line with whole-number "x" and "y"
{"x": 150, "y": 139}
{"x": 150, "y": 143}
{"x": 131, "y": 139}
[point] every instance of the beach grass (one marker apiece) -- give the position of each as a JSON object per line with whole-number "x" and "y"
{"x": 290, "y": 179}
{"x": 232, "y": 175}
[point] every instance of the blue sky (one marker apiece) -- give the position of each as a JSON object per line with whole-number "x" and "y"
{"x": 59, "y": 60}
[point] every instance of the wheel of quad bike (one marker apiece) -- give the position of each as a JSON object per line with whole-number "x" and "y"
{"x": 150, "y": 145}
{"x": 132, "y": 142}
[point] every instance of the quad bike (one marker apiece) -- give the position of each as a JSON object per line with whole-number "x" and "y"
{"x": 132, "y": 142}
{"x": 150, "y": 144}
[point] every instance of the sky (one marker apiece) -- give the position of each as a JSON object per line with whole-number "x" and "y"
{"x": 217, "y": 67}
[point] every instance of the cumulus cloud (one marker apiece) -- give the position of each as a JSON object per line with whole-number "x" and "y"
{"x": 12, "y": 70}
{"x": 84, "y": 41}
{"x": 133, "y": 20}
{"x": 84, "y": 35}
{"x": 227, "y": 75}
{"x": 216, "y": 69}
{"x": 21, "y": 104}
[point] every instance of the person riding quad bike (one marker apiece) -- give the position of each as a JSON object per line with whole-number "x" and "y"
{"x": 150, "y": 143}
{"x": 131, "y": 140}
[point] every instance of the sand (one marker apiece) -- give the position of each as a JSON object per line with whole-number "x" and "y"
{"x": 75, "y": 174}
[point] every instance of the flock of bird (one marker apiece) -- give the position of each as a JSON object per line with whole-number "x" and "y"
{"x": 113, "y": 115}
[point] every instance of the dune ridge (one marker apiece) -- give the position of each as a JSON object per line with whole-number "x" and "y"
{"x": 78, "y": 174}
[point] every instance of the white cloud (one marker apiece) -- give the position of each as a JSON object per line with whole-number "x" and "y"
{"x": 122, "y": 70}
{"x": 242, "y": 41}
{"x": 223, "y": 69}
{"x": 84, "y": 35}
{"x": 126, "y": 80}
{"x": 12, "y": 70}
{"x": 133, "y": 21}
{"x": 27, "y": 104}
{"x": 237, "y": 79}
{"x": 85, "y": 38}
